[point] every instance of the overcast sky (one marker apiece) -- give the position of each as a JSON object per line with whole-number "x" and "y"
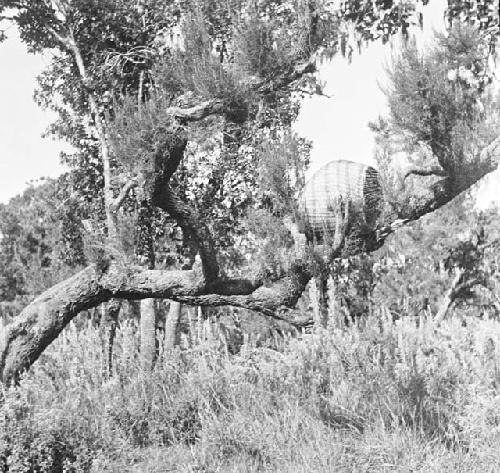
{"x": 24, "y": 155}
{"x": 338, "y": 126}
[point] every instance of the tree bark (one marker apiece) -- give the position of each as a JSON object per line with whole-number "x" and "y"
{"x": 109, "y": 324}
{"x": 417, "y": 171}
{"x": 450, "y": 296}
{"x": 41, "y": 321}
{"x": 148, "y": 334}
{"x": 195, "y": 230}
{"x": 171, "y": 326}
{"x": 265, "y": 87}
{"x": 44, "y": 319}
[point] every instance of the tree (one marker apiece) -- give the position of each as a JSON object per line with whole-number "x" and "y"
{"x": 229, "y": 78}
{"x": 444, "y": 261}
{"x": 442, "y": 115}
{"x": 171, "y": 326}
{"x": 95, "y": 69}
{"x": 41, "y": 243}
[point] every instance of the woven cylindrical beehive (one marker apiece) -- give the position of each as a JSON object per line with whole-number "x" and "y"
{"x": 355, "y": 184}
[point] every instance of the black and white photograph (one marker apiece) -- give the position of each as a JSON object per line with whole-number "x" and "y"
{"x": 244, "y": 236}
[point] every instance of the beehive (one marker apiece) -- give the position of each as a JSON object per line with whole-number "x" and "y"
{"x": 346, "y": 181}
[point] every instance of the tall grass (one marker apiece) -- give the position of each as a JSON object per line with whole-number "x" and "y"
{"x": 374, "y": 395}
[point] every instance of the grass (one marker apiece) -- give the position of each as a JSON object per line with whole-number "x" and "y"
{"x": 375, "y": 396}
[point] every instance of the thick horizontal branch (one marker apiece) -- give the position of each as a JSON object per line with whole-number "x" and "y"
{"x": 41, "y": 322}
{"x": 44, "y": 319}
{"x": 265, "y": 87}
{"x": 198, "y": 112}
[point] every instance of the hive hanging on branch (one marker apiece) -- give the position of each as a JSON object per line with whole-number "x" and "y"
{"x": 340, "y": 183}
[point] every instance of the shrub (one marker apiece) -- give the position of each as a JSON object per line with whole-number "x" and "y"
{"x": 409, "y": 394}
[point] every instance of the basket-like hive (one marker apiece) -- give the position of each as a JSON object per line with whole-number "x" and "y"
{"x": 340, "y": 181}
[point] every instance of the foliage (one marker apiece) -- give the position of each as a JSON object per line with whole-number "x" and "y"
{"x": 137, "y": 80}
{"x": 483, "y": 14}
{"x": 148, "y": 54}
{"x": 441, "y": 108}
{"x": 380, "y": 19}
{"x": 440, "y": 98}
{"x": 418, "y": 264}
{"x": 415, "y": 268}
{"x": 41, "y": 242}
{"x": 315, "y": 401}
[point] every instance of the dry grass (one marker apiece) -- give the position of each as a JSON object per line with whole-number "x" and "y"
{"x": 375, "y": 396}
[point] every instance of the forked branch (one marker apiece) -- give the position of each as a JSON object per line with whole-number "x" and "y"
{"x": 124, "y": 192}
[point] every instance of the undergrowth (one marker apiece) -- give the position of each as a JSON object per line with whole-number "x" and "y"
{"x": 375, "y": 396}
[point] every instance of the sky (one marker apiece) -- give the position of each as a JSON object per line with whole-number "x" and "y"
{"x": 337, "y": 125}
{"x": 24, "y": 154}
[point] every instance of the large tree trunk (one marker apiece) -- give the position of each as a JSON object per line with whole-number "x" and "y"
{"x": 44, "y": 319}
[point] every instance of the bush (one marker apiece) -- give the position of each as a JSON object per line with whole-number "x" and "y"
{"x": 375, "y": 394}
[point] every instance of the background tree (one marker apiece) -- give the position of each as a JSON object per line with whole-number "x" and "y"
{"x": 446, "y": 260}
{"x": 442, "y": 115}
{"x": 267, "y": 49}
{"x": 41, "y": 243}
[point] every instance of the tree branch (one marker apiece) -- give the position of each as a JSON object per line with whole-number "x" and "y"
{"x": 157, "y": 190}
{"x": 450, "y": 295}
{"x": 438, "y": 195}
{"x": 198, "y": 112}
{"x": 100, "y": 126}
{"x": 42, "y": 320}
{"x": 117, "y": 203}
{"x": 65, "y": 42}
{"x": 193, "y": 227}
{"x": 491, "y": 154}
{"x": 274, "y": 84}
{"x": 156, "y": 180}
{"x": 265, "y": 87}
{"x": 432, "y": 171}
